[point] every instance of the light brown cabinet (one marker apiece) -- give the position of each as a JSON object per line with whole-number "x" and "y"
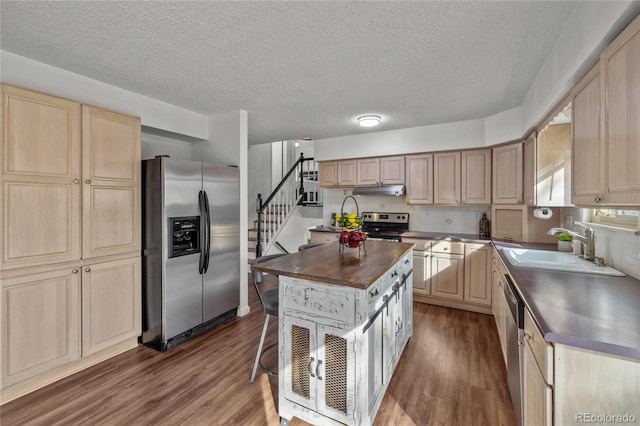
{"x": 71, "y": 274}
{"x": 420, "y": 179}
{"x": 476, "y": 177}
{"x": 477, "y": 274}
{"x": 452, "y": 274}
{"x": 381, "y": 171}
{"x": 446, "y": 178}
{"x": 529, "y": 170}
{"x": 111, "y": 187}
{"x": 40, "y": 323}
{"x": 338, "y": 173}
{"x": 499, "y": 307}
{"x": 328, "y": 174}
{"x": 41, "y": 179}
{"x": 507, "y": 174}
{"x": 587, "y": 150}
{"x": 347, "y": 173}
{"x": 620, "y": 73}
{"x": 537, "y": 376}
{"x": 111, "y": 304}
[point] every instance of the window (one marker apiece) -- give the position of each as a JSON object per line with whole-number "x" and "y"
{"x": 626, "y": 219}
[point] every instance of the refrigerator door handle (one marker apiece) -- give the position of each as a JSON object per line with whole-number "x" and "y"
{"x": 203, "y": 231}
{"x": 207, "y": 234}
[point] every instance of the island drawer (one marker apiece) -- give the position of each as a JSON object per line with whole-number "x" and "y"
{"x": 338, "y": 303}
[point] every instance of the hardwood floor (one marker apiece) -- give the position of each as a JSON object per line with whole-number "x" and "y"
{"x": 451, "y": 373}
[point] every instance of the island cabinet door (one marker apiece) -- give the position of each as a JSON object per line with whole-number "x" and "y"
{"x": 319, "y": 368}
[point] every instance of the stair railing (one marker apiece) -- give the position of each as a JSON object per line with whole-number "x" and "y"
{"x": 276, "y": 209}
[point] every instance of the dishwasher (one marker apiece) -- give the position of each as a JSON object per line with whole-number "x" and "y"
{"x": 515, "y": 335}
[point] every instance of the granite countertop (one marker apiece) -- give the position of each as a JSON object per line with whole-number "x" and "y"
{"x": 324, "y": 263}
{"x": 595, "y": 312}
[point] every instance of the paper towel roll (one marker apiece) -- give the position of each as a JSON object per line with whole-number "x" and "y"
{"x": 543, "y": 213}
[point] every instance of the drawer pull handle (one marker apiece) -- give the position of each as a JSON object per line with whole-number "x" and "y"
{"x": 88, "y": 181}
{"x": 374, "y": 293}
{"x": 87, "y": 269}
{"x": 76, "y": 181}
{"x": 311, "y": 369}
{"x": 75, "y": 271}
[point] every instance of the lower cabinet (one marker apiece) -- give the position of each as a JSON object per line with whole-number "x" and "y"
{"x": 537, "y": 376}
{"x": 53, "y": 320}
{"x": 111, "y": 304}
{"x": 452, "y": 274}
{"x": 40, "y": 323}
{"x": 319, "y": 368}
{"x": 447, "y": 275}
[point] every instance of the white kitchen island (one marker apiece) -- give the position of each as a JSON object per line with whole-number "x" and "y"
{"x": 343, "y": 324}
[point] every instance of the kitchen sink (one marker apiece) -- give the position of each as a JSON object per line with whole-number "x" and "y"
{"x": 555, "y": 260}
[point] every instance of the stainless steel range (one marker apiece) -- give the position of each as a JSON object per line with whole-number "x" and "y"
{"x": 385, "y": 226}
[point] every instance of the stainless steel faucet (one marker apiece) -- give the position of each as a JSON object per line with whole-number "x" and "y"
{"x": 588, "y": 241}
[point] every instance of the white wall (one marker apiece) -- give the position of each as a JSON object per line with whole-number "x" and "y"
{"x": 229, "y": 145}
{"x": 153, "y": 145}
{"x": 590, "y": 28}
{"x": 20, "y": 71}
{"x": 450, "y": 219}
{"x": 259, "y": 180}
{"x": 464, "y": 134}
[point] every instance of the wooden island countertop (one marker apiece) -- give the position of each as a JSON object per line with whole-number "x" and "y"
{"x": 324, "y": 263}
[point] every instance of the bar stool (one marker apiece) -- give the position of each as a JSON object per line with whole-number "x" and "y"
{"x": 269, "y": 303}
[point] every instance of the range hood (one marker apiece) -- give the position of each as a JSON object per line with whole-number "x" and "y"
{"x": 379, "y": 190}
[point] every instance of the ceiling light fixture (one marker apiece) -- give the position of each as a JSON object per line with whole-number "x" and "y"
{"x": 368, "y": 120}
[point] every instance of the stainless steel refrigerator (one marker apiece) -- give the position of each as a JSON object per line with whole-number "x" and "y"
{"x": 191, "y": 248}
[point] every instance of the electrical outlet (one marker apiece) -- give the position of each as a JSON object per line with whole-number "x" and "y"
{"x": 344, "y": 192}
{"x": 476, "y": 215}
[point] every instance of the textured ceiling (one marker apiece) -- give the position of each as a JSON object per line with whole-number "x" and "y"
{"x": 301, "y": 69}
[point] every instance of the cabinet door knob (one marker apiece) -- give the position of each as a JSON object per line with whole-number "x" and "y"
{"x": 87, "y": 269}
{"x": 597, "y": 199}
{"x": 75, "y": 271}
{"x": 88, "y": 181}
{"x": 76, "y": 181}
{"x": 527, "y": 337}
{"x": 518, "y": 201}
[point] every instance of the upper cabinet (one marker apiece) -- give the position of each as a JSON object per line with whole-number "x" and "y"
{"x": 381, "y": 171}
{"x": 111, "y": 187}
{"x": 553, "y": 158}
{"x": 328, "y": 173}
{"x": 362, "y": 172}
{"x": 620, "y": 73}
{"x": 420, "y": 179}
{"x": 587, "y": 152}
{"x": 476, "y": 177}
{"x": 450, "y": 178}
{"x": 41, "y": 178}
{"x": 529, "y": 170}
{"x": 446, "y": 178}
{"x": 507, "y": 174}
{"x": 70, "y": 180}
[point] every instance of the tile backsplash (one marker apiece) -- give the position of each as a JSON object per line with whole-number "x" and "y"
{"x": 620, "y": 249}
{"x": 453, "y": 219}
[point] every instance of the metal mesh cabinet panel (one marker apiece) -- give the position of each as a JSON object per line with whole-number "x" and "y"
{"x": 336, "y": 372}
{"x": 300, "y": 366}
